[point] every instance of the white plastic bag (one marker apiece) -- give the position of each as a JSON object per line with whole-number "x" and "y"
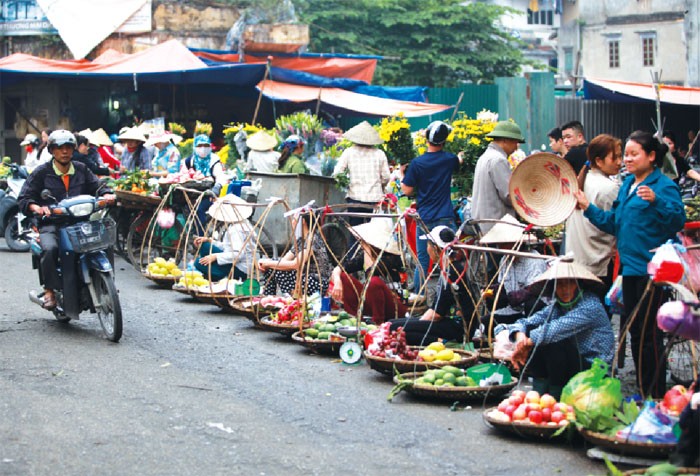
{"x": 503, "y": 348}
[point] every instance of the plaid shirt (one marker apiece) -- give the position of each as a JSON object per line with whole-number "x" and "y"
{"x": 368, "y": 170}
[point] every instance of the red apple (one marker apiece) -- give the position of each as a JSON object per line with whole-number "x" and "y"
{"x": 516, "y": 400}
{"x": 509, "y": 410}
{"x": 532, "y": 397}
{"x": 547, "y": 401}
{"x": 519, "y": 414}
{"x": 518, "y": 393}
{"x": 546, "y": 414}
{"x": 535, "y": 417}
{"x": 557, "y": 416}
{"x": 502, "y": 406}
{"x": 560, "y": 407}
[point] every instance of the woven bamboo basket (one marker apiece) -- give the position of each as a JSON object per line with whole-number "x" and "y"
{"x": 318, "y": 346}
{"x": 523, "y": 429}
{"x": 387, "y": 366}
{"x": 630, "y": 448}
{"x": 454, "y": 393}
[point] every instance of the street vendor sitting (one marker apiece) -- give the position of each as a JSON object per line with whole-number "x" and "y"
{"x": 308, "y": 258}
{"x": 236, "y": 249}
{"x": 562, "y": 339}
{"x": 441, "y": 320}
{"x": 376, "y": 241}
{"x": 516, "y": 298}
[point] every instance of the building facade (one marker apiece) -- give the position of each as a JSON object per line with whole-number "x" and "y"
{"x": 628, "y": 40}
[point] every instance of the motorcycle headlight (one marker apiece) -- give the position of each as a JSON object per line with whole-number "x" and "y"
{"x": 81, "y": 209}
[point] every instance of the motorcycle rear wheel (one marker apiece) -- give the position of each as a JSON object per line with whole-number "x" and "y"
{"x": 12, "y": 237}
{"x": 109, "y": 310}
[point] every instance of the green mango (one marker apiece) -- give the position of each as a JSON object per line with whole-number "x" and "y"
{"x": 323, "y": 335}
{"x": 453, "y": 370}
{"x": 313, "y": 333}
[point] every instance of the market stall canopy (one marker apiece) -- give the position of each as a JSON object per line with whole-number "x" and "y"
{"x": 349, "y": 72}
{"x": 624, "y": 91}
{"x": 359, "y": 67}
{"x": 348, "y": 100}
{"x": 170, "y": 62}
{"x": 83, "y": 25}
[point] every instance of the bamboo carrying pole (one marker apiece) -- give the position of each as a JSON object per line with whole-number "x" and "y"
{"x": 262, "y": 89}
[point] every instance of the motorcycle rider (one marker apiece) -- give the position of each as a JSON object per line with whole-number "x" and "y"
{"x": 63, "y": 178}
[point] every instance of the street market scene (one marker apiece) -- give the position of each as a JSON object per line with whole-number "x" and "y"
{"x": 303, "y": 237}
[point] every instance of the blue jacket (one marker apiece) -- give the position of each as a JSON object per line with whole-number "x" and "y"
{"x": 640, "y": 225}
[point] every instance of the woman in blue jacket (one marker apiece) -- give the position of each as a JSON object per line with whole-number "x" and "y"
{"x": 648, "y": 212}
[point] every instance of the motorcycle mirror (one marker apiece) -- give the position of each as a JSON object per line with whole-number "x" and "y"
{"x": 46, "y": 195}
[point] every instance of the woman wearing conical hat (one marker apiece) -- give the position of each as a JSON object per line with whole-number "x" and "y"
{"x": 377, "y": 241}
{"x": 557, "y": 342}
{"x": 366, "y": 166}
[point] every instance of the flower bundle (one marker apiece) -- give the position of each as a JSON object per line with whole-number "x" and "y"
{"x": 395, "y": 131}
{"x": 202, "y": 128}
{"x": 176, "y": 128}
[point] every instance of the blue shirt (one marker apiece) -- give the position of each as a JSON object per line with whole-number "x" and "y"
{"x": 430, "y": 175}
{"x": 639, "y": 225}
{"x": 587, "y": 322}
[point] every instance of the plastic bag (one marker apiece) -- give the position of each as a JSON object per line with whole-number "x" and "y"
{"x": 166, "y": 218}
{"x": 651, "y": 426}
{"x": 666, "y": 265}
{"x": 680, "y": 318}
{"x": 593, "y": 392}
{"x": 503, "y": 348}
{"x": 613, "y": 299}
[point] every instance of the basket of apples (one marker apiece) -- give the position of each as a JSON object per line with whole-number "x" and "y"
{"x": 530, "y": 414}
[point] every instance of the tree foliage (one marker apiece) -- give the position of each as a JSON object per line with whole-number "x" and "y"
{"x": 427, "y": 42}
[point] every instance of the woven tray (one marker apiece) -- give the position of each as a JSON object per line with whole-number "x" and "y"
{"x": 485, "y": 355}
{"x": 212, "y": 298}
{"x": 244, "y": 306}
{"x": 642, "y": 471}
{"x": 526, "y": 430}
{"x": 165, "y": 282}
{"x": 630, "y": 448}
{"x": 286, "y": 329}
{"x": 387, "y": 366}
{"x": 454, "y": 393}
{"x": 317, "y": 345}
{"x": 136, "y": 200}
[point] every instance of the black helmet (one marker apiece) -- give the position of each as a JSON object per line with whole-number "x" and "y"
{"x": 437, "y": 132}
{"x": 60, "y": 137}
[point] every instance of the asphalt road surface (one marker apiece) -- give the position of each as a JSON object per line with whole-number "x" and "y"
{"x": 191, "y": 390}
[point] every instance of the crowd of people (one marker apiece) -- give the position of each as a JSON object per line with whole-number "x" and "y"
{"x": 552, "y": 311}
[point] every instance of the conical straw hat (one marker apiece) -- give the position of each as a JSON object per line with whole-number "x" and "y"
{"x": 510, "y": 232}
{"x": 565, "y": 268}
{"x": 230, "y": 209}
{"x": 542, "y": 189}
{"x": 100, "y": 137}
{"x": 378, "y": 232}
{"x": 132, "y": 133}
{"x": 261, "y": 141}
{"x": 363, "y": 134}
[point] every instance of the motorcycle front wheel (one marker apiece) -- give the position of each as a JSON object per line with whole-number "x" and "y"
{"x": 12, "y": 236}
{"x": 109, "y": 310}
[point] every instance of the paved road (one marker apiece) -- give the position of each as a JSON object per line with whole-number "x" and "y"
{"x": 193, "y": 391}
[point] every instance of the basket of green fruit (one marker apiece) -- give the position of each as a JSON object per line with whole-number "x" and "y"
{"x": 450, "y": 383}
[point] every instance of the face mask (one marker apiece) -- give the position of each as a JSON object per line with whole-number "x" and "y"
{"x": 203, "y": 151}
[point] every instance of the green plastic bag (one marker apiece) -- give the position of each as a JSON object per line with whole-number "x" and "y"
{"x": 593, "y": 392}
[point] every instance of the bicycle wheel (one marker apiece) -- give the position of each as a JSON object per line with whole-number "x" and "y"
{"x": 684, "y": 361}
{"x": 109, "y": 310}
{"x": 135, "y": 238}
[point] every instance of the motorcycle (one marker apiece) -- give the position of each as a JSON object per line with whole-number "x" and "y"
{"x": 14, "y": 225}
{"x": 85, "y": 236}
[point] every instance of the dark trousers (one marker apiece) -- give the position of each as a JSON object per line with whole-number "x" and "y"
{"x": 49, "y": 278}
{"x": 368, "y": 208}
{"x": 218, "y": 271}
{"x": 651, "y": 370}
{"x": 556, "y": 362}
{"x": 424, "y": 332}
